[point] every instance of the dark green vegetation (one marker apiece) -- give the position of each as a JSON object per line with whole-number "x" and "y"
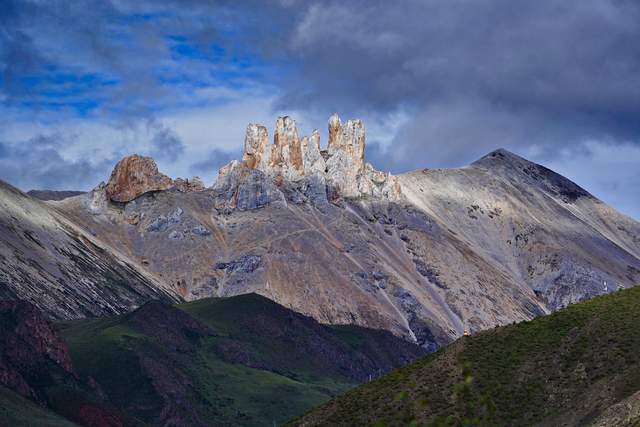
{"x": 243, "y": 360}
{"x": 561, "y": 369}
{"x": 16, "y": 411}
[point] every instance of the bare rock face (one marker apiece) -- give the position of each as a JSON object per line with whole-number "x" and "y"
{"x": 242, "y": 188}
{"x": 189, "y": 186}
{"x": 98, "y": 202}
{"x": 302, "y": 163}
{"x": 134, "y": 176}
{"x": 312, "y": 159}
{"x": 286, "y": 152}
{"x": 256, "y": 141}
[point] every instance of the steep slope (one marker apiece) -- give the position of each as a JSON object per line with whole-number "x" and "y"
{"x": 236, "y": 361}
{"x": 37, "y": 376}
{"x": 426, "y": 254}
{"x": 543, "y": 230}
{"x": 346, "y": 262}
{"x": 578, "y": 366}
{"x": 63, "y": 269}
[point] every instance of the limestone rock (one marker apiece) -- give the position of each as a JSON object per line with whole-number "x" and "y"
{"x": 340, "y": 170}
{"x": 256, "y": 141}
{"x": 134, "y": 176}
{"x": 189, "y": 186}
{"x": 98, "y": 201}
{"x": 378, "y": 184}
{"x": 238, "y": 187}
{"x": 286, "y": 152}
{"x": 312, "y": 159}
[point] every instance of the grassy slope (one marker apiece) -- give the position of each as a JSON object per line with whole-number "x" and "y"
{"x": 16, "y": 411}
{"x": 111, "y": 350}
{"x": 566, "y": 367}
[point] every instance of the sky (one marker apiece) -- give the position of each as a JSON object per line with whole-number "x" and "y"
{"x": 437, "y": 84}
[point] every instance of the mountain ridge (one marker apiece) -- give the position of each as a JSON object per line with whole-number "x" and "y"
{"x": 426, "y": 254}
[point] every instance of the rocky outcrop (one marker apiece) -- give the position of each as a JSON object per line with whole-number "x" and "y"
{"x": 239, "y": 187}
{"x": 300, "y": 161}
{"x": 189, "y": 186}
{"x": 258, "y": 179}
{"x": 134, "y": 176}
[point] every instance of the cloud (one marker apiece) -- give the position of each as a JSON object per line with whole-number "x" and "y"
{"x": 165, "y": 143}
{"x": 37, "y": 161}
{"x": 213, "y": 161}
{"x": 461, "y": 77}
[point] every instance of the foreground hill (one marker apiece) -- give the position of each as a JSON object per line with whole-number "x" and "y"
{"x": 578, "y": 366}
{"x": 243, "y": 361}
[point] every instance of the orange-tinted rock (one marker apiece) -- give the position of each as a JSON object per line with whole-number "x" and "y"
{"x": 134, "y": 176}
{"x": 256, "y": 141}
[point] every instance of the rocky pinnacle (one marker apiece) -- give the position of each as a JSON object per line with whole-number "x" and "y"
{"x": 341, "y": 166}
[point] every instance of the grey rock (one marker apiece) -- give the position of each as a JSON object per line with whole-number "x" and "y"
{"x": 200, "y": 230}
{"x": 244, "y": 264}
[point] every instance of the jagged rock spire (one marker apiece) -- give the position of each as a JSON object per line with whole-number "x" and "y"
{"x": 341, "y": 166}
{"x": 256, "y": 141}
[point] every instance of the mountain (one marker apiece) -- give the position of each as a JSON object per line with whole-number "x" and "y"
{"x": 576, "y": 367}
{"x": 426, "y": 254}
{"x": 543, "y": 230}
{"x": 243, "y": 360}
{"x": 62, "y": 268}
{"x": 53, "y": 195}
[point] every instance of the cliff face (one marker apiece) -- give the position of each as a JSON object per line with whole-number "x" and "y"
{"x": 135, "y": 175}
{"x": 340, "y": 171}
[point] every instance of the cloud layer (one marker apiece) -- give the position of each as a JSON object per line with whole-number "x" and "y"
{"x": 449, "y": 80}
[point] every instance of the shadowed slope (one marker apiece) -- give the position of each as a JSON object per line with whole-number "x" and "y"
{"x": 243, "y": 360}
{"x": 563, "y": 369}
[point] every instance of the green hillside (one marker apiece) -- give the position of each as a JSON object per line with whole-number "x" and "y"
{"x": 230, "y": 361}
{"x": 563, "y": 369}
{"x": 16, "y": 411}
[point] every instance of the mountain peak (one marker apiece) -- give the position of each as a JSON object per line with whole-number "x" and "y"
{"x": 341, "y": 167}
{"x": 500, "y": 155}
{"x": 514, "y": 167}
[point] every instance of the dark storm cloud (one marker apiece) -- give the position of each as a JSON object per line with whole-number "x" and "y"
{"x": 536, "y": 77}
{"x": 475, "y": 75}
{"x": 31, "y": 163}
{"x": 213, "y": 161}
{"x": 165, "y": 143}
